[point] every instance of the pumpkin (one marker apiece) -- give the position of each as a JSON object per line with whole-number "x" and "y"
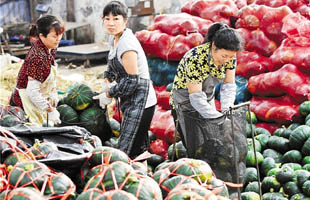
{"x": 68, "y": 115}
{"x": 79, "y": 96}
{"x": 94, "y": 120}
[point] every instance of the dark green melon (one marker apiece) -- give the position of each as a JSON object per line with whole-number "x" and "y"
{"x": 250, "y": 196}
{"x": 304, "y": 108}
{"x": 28, "y": 173}
{"x": 41, "y": 150}
{"x": 90, "y": 193}
{"x": 250, "y": 175}
{"x": 14, "y": 158}
{"x": 17, "y": 112}
{"x": 117, "y": 195}
{"x": 60, "y": 185}
{"x": 80, "y": 96}
{"x": 291, "y": 188}
{"x": 180, "y": 151}
{"x": 306, "y": 188}
{"x": 252, "y": 187}
{"x": 270, "y": 184}
{"x": 9, "y": 121}
{"x": 154, "y": 160}
{"x": 106, "y": 155}
{"x": 115, "y": 176}
{"x": 25, "y": 193}
{"x": 144, "y": 188}
{"x": 172, "y": 182}
{"x": 94, "y": 120}
{"x": 68, "y": 115}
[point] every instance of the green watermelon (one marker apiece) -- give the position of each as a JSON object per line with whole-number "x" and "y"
{"x": 117, "y": 195}
{"x": 25, "y": 193}
{"x": 68, "y": 115}
{"x": 28, "y": 173}
{"x": 80, "y": 96}
{"x": 9, "y": 121}
{"x": 94, "y": 120}
{"x": 90, "y": 193}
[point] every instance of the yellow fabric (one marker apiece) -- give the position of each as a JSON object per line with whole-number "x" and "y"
{"x": 35, "y": 115}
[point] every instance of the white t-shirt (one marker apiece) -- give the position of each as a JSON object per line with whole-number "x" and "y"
{"x": 129, "y": 42}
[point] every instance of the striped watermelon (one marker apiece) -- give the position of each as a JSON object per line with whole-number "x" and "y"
{"x": 79, "y": 96}
{"x": 68, "y": 115}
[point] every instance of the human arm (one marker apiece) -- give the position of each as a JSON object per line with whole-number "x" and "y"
{"x": 228, "y": 90}
{"x": 198, "y": 100}
{"x": 129, "y": 83}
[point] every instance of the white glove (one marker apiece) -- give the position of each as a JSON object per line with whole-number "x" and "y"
{"x": 103, "y": 99}
{"x": 54, "y": 116}
{"x": 106, "y": 86}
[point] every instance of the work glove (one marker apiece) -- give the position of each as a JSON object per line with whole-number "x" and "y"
{"x": 105, "y": 86}
{"x": 54, "y": 116}
{"x": 103, "y": 99}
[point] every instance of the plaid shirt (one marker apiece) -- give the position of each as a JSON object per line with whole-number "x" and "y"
{"x": 133, "y": 92}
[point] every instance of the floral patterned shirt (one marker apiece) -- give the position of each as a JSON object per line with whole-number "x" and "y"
{"x": 37, "y": 65}
{"x": 196, "y": 65}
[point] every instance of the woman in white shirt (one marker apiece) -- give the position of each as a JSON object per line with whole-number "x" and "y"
{"x": 127, "y": 66}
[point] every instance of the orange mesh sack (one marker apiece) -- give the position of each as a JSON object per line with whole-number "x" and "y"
{"x": 30, "y": 173}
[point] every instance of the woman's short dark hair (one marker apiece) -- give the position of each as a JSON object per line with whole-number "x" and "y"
{"x": 224, "y": 37}
{"x": 44, "y": 25}
{"x": 116, "y": 8}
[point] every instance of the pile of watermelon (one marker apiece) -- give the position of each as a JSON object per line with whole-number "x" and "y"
{"x": 79, "y": 108}
{"x": 107, "y": 173}
{"x": 283, "y": 159}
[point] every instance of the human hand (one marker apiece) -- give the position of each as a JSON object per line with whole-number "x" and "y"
{"x": 103, "y": 99}
{"x": 54, "y": 116}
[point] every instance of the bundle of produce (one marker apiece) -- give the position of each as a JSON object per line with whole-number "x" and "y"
{"x": 257, "y": 41}
{"x": 114, "y": 176}
{"x": 26, "y": 193}
{"x": 42, "y": 149}
{"x": 215, "y": 10}
{"x": 251, "y": 64}
{"x": 106, "y": 155}
{"x": 193, "y": 191}
{"x": 29, "y": 173}
{"x": 59, "y": 186}
{"x": 90, "y": 194}
{"x": 280, "y": 110}
{"x": 163, "y": 97}
{"x": 294, "y": 49}
{"x": 177, "y": 151}
{"x": 162, "y": 125}
{"x": 241, "y": 3}
{"x": 180, "y": 23}
{"x": 11, "y": 116}
{"x": 267, "y": 19}
{"x": 301, "y": 6}
{"x": 271, "y": 127}
{"x": 78, "y": 108}
{"x": 158, "y": 44}
{"x": 159, "y": 147}
{"x": 284, "y": 167}
{"x": 288, "y": 80}
{"x": 170, "y": 175}
{"x": 116, "y": 194}
{"x": 162, "y": 71}
{"x": 144, "y": 187}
